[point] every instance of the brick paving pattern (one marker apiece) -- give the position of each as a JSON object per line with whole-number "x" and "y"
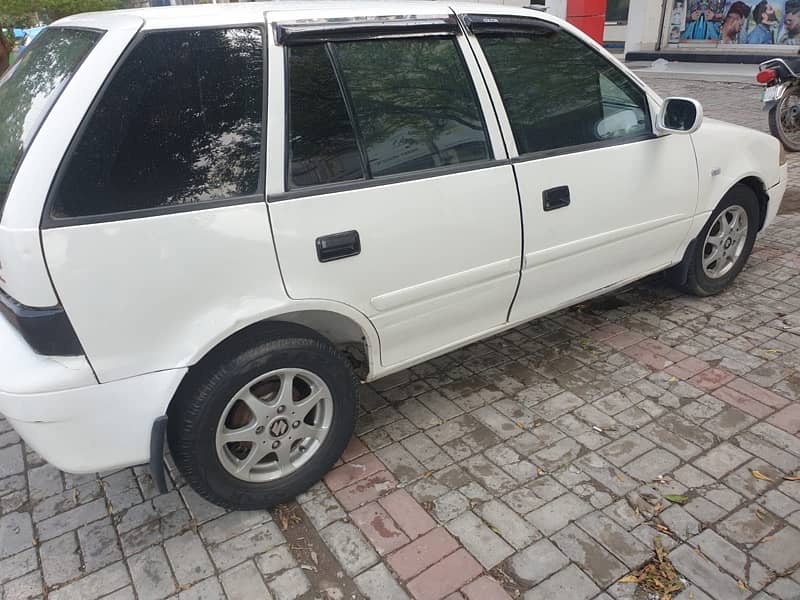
{"x": 534, "y": 464}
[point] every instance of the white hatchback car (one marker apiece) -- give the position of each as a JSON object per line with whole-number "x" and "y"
{"x": 213, "y": 217}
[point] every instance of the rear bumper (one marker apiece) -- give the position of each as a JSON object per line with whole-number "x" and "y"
{"x": 73, "y": 422}
{"x": 775, "y": 194}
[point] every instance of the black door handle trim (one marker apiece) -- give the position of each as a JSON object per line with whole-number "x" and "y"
{"x": 557, "y": 197}
{"x": 338, "y": 245}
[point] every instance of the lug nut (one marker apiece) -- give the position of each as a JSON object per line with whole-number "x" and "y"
{"x": 276, "y": 445}
{"x": 296, "y": 424}
{"x": 281, "y": 409}
{"x": 259, "y": 430}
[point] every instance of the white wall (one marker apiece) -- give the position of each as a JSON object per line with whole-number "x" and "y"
{"x": 644, "y": 20}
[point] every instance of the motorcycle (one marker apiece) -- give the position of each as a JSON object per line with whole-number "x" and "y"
{"x": 781, "y": 97}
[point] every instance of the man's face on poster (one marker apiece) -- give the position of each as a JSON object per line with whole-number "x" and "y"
{"x": 792, "y": 22}
{"x": 733, "y": 24}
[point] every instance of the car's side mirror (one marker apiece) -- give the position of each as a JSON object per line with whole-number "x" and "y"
{"x": 680, "y": 115}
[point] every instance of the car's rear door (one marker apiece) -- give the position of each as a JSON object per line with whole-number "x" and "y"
{"x": 604, "y": 199}
{"x": 396, "y": 197}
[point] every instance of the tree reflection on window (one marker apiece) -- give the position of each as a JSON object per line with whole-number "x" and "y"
{"x": 179, "y": 123}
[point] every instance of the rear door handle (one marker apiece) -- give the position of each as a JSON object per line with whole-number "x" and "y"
{"x": 557, "y": 197}
{"x": 338, "y": 245}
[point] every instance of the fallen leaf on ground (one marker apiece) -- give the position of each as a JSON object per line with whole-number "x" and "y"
{"x": 759, "y": 475}
{"x": 677, "y": 498}
{"x": 659, "y": 576}
{"x": 795, "y": 477}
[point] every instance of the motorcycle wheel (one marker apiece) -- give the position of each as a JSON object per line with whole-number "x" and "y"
{"x": 784, "y": 119}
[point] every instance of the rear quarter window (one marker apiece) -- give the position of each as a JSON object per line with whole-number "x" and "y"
{"x": 30, "y": 88}
{"x": 178, "y": 123}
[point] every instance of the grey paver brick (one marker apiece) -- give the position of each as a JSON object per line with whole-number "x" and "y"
{"x": 729, "y": 422}
{"x": 489, "y": 475}
{"x": 556, "y": 514}
{"x": 246, "y": 545}
{"x": 188, "y": 558}
{"x": 99, "y": 583}
{"x": 17, "y": 565}
{"x": 232, "y": 524}
{"x": 208, "y": 589}
{"x": 590, "y": 555}
{"x": 71, "y": 519}
{"x": 537, "y": 562}
{"x": 151, "y": 574}
{"x": 778, "y": 503}
{"x": 652, "y": 465}
{"x": 289, "y": 585}
{"x": 44, "y": 481}
{"x": 483, "y": 543}
{"x": 782, "y": 551}
{"x": 349, "y": 547}
{"x": 26, "y": 587}
{"x": 99, "y": 545}
{"x": 570, "y": 583}
{"x": 784, "y": 589}
{"x": 276, "y": 560}
{"x": 11, "y": 461}
{"x": 378, "y": 582}
{"x": 60, "y": 559}
{"x": 621, "y": 543}
{"x": 626, "y": 448}
{"x": 557, "y": 455}
{"x": 606, "y": 474}
{"x": 244, "y": 582}
{"x": 705, "y": 574}
{"x": 722, "y": 459}
{"x": 16, "y": 533}
{"x": 448, "y": 507}
{"x": 748, "y": 525}
{"x": 513, "y": 528}
{"x": 401, "y": 463}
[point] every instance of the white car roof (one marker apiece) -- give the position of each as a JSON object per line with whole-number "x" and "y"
{"x": 204, "y": 15}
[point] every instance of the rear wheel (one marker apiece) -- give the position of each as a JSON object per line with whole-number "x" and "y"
{"x": 784, "y": 119}
{"x": 724, "y": 244}
{"x": 266, "y": 423}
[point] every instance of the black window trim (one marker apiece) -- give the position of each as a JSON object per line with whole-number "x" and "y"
{"x": 48, "y": 221}
{"x": 312, "y": 31}
{"x": 381, "y": 180}
{"x": 21, "y": 159}
{"x": 367, "y": 179}
{"x": 517, "y": 25}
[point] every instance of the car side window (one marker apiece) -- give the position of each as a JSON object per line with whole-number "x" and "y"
{"x": 559, "y": 93}
{"x": 178, "y": 123}
{"x": 409, "y": 102}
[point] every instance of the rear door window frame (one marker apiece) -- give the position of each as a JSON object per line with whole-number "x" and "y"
{"x": 48, "y": 221}
{"x": 369, "y": 28}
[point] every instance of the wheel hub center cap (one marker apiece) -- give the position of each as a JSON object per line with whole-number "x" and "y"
{"x": 279, "y": 427}
{"x": 728, "y": 243}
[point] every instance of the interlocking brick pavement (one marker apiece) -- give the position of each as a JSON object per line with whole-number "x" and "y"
{"x": 534, "y": 464}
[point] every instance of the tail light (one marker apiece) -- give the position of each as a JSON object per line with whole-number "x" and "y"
{"x": 766, "y": 76}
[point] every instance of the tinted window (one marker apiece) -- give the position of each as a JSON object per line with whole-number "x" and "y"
{"x": 29, "y": 89}
{"x": 322, "y": 144}
{"x": 558, "y": 92}
{"x": 179, "y": 123}
{"x": 412, "y": 106}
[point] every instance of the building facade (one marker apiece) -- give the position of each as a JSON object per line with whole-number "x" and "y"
{"x": 712, "y": 30}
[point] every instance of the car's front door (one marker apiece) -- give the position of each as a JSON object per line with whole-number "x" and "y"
{"x": 604, "y": 200}
{"x": 397, "y": 197}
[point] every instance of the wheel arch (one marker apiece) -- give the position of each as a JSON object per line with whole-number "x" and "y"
{"x": 354, "y": 335}
{"x": 756, "y": 184}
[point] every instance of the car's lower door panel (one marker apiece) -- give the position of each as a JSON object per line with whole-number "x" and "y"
{"x": 438, "y": 262}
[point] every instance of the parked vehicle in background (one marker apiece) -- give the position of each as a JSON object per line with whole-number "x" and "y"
{"x": 781, "y": 97}
{"x": 216, "y": 219}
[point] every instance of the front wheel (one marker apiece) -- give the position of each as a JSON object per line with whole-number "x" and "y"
{"x": 724, "y": 244}
{"x": 265, "y": 423}
{"x": 784, "y": 119}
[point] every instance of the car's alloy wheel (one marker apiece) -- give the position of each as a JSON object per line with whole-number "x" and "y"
{"x": 264, "y": 418}
{"x": 274, "y": 425}
{"x": 725, "y": 242}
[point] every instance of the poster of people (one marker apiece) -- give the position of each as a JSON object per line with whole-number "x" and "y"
{"x": 736, "y": 21}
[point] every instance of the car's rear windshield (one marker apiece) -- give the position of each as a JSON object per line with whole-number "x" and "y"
{"x": 29, "y": 89}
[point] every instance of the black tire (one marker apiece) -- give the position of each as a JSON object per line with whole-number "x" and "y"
{"x": 775, "y": 128}
{"x": 698, "y": 282}
{"x": 199, "y": 404}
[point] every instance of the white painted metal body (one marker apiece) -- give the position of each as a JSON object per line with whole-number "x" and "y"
{"x": 442, "y": 254}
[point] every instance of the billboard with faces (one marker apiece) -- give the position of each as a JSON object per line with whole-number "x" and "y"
{"x": 762, "y": 22}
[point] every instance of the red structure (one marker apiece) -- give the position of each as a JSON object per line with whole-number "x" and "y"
{"x": 589, "y": 16}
